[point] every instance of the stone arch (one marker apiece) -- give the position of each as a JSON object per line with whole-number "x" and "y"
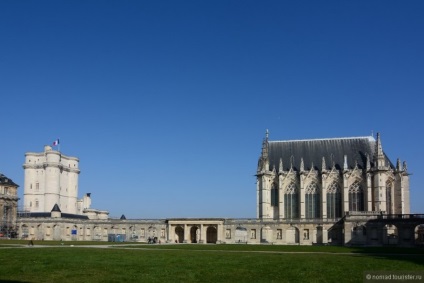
{"x": 419, "y": 235}
{"x": 211, "y": 235}
{"x": 194, "y": 234}
{"x": 179, "y": 234}
{"x": 292, "y": 235}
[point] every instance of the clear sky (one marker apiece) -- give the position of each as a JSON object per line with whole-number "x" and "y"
{"x": 166, "y": 103}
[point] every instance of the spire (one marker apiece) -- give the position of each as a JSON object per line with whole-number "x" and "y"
{"x": 280, "y": 167}
{"x": 302, "y": 165}
{"x": 345, "y": 162}
{"x": 379, "y": 155}
{"x": 398, "y": 165}
{"x": 323, "y": 166}
{"x": 368, "y": 162}
{"x": 263, "y": 163}
{"x": 405, "y": 168}
{"x": 379, "y": 147}
{"x": 265, "y": 145}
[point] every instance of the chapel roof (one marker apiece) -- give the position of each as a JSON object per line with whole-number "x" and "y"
{"x": 312, "y": 151}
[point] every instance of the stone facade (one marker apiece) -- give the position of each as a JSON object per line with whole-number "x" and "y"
{"x": 326, "y": 178}
{"x": 51, "y": 178}
{"x": 331, "y": 192}
{"x": 8, "y": 206}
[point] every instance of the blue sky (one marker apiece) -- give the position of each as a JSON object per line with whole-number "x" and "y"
{"x": 166, "y": 103}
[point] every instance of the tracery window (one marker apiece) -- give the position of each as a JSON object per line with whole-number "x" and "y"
{"x": 274, "y": 195}
{"x": 291, "y": 202}
{"x": 312, "y": 201}
{"x": 389, "y": 197}
{"x": 356, "y": 197}
{"x": 334, "y": 201}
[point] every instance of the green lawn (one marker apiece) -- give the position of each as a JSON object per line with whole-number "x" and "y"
{"x": 198, "y": 263}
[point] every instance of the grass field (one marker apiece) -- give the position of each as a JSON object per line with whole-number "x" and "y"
{"x": 95, "y": 262}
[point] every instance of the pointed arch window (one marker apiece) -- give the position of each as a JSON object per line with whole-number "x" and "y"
{"x": 334, "y": 201}
{"x": 312, "y": 201}
{"x": 389, "y": 197}
{"x": 291, "y": 202}
{"x": 356, "y": 197}
{"x": 274, "y": 195}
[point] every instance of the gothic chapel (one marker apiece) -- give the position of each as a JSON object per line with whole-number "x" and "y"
{"x": 328, "y": 178}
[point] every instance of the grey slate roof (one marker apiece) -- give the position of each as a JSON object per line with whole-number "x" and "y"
{"x": 312, "y": 151}
{"x": 48, "y": 215}
{"x": 6, "y": 181}
{"x": 56, "y": 208}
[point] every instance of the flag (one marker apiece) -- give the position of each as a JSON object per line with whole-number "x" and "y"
{"x": 56, "y": 142}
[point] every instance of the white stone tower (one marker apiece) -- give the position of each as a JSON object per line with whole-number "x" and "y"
{"x": 50, "y": 178}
